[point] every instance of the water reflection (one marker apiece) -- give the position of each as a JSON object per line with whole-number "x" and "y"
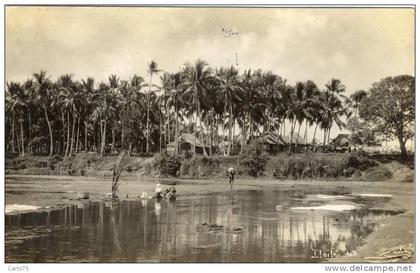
{"x": 141, "y": 231}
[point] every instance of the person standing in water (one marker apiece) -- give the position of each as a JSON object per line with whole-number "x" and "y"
{"x": 231, "y": 175}
{"x": 158, "y": 192}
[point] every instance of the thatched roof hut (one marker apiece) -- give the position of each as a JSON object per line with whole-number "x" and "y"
{"x": 187, "y": 143}
{"x": 346, "y": 140}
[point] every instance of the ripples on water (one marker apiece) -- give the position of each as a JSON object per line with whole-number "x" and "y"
{"x": 258, "y": 226}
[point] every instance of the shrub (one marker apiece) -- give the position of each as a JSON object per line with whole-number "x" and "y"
{"x": 54, "y": 160}
{"x": 378, "y": 174}
{"x": 254, "y": 159}
{"x": 170, "y": 165}
{"x": 317, "y": 165}
{"x": 358, "y": 160}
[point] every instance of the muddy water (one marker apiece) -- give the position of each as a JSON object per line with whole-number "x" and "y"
{"x": 238, "y": 226}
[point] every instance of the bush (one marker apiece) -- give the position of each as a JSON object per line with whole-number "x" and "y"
{"x": 254, "y": 159}
{"x": 170, "y": 165}
{"x": 54, "y": 160}
{"x": 358, "y": 160}
{"x": 380, "y": 173}
{"x": 209, "y": 166}
{"x": 317, "y": 165}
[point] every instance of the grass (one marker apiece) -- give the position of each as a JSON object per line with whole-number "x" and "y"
{"x": 309, "y": 165}
{"x": 318, "y": 165}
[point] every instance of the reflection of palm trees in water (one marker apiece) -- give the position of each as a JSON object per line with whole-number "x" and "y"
{"x": 157, "y": 211}
{"x": 145, "y": 227}
{"x": 129, "y": 231}
{"x": 115, "y": 228}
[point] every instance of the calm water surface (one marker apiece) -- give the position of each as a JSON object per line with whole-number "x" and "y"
{"x": 253, "y": 226}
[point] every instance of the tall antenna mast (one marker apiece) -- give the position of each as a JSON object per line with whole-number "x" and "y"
{"x": 229, "y": 33}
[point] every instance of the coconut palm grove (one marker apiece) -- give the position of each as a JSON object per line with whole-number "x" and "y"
{"x": 222, "y": 108}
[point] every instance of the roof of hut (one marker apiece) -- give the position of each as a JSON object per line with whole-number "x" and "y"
{"x": 270, "y": 138}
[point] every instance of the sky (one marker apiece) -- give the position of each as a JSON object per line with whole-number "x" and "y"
{"x": 357, "y": 46}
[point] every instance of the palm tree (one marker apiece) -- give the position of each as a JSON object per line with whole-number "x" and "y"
{"x": 317, "y": 118}
{"x": 42, "y": 90}
{"x": 336, "y": 87}
{"x": 131, "y": 104}
{"x": 88, "y": 92}
{"x": 231, "y": 92}
{"x": 310, "y": 103}
{"x": 102, "y": 112}
{"x": 16, "y": 105}
{"x": 70, "y": 98}
{"x": 115, "y": 100}
{"x": 29, "y": 99}
{"x": 175, "y": 101}
{"x": 357, "y": 98}
{"x": 271, "y": 84}
{"x": 197, "y": 78}
{"x": 333, "y": 111}
{"x": 167, "y": 85}
{"x": 152, "y": 69}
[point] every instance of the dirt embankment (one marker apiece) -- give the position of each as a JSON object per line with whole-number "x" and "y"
{"x": 312, "y": 166}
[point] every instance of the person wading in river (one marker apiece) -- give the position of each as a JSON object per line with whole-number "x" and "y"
{"x": 231, "y": 175}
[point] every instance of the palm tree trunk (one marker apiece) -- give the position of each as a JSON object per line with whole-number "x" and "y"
{"x": 233, "y": 134}
{"x": 329, "y": 131}
{"x": 113, "y": 138}
{"x": 244, "y": 130}
{"x": 103, "y": 131}
{"x": 72, "y": 133}
{"x": 147, "y": 126}
{"x": 284, "y": 127}
{"x": 86, "y": 136}
{"x": 160, "y": 131}
{"x": 13, "y": 134}
{"x": 22, "y": 137}
{"x": 168, "y": 136}
{"x": 50, "y": 130}
{"x": 292, "y": 128}
{"x": 176, "y": 130}
{"x": 313, "y": 139}
{"x": 148, "y": 114}
{"x": 122, "y": 134}
{"x": 195, "y": 133}
{"x": 216, "y": 131}
{"x": 201, "y": 128}
{"x": 63, "y": 147}
{"x": 202, "y": 137}
{"x": 223, "y": 131}
{"x": 211, "y": 133}
{"x": 68, "y": 134}
{"x": 251, "y": 126}
{"x": 230, "y": 130}
{"x": 298, "y": 135}
{"x": 77, "y": 136}
{"x": 306, "y": 131}
{"x": 30, "y": 133}
{"x": 279, "y": 129}
{"x": 17, "y": 140}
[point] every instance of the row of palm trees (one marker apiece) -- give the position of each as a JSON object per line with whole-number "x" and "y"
{"x": 66, "y": 116}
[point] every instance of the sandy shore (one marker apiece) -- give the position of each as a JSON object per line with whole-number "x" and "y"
{"x": 52, "y": 191}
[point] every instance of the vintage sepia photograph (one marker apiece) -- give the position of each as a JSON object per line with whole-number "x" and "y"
{"x": 209, "y": 134}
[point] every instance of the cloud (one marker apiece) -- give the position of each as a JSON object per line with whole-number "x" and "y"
{"x": 359, "y": 46}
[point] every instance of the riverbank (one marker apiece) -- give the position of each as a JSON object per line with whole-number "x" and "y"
{"x": 55, "y": 191}
{"x": 357, "y": 166}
